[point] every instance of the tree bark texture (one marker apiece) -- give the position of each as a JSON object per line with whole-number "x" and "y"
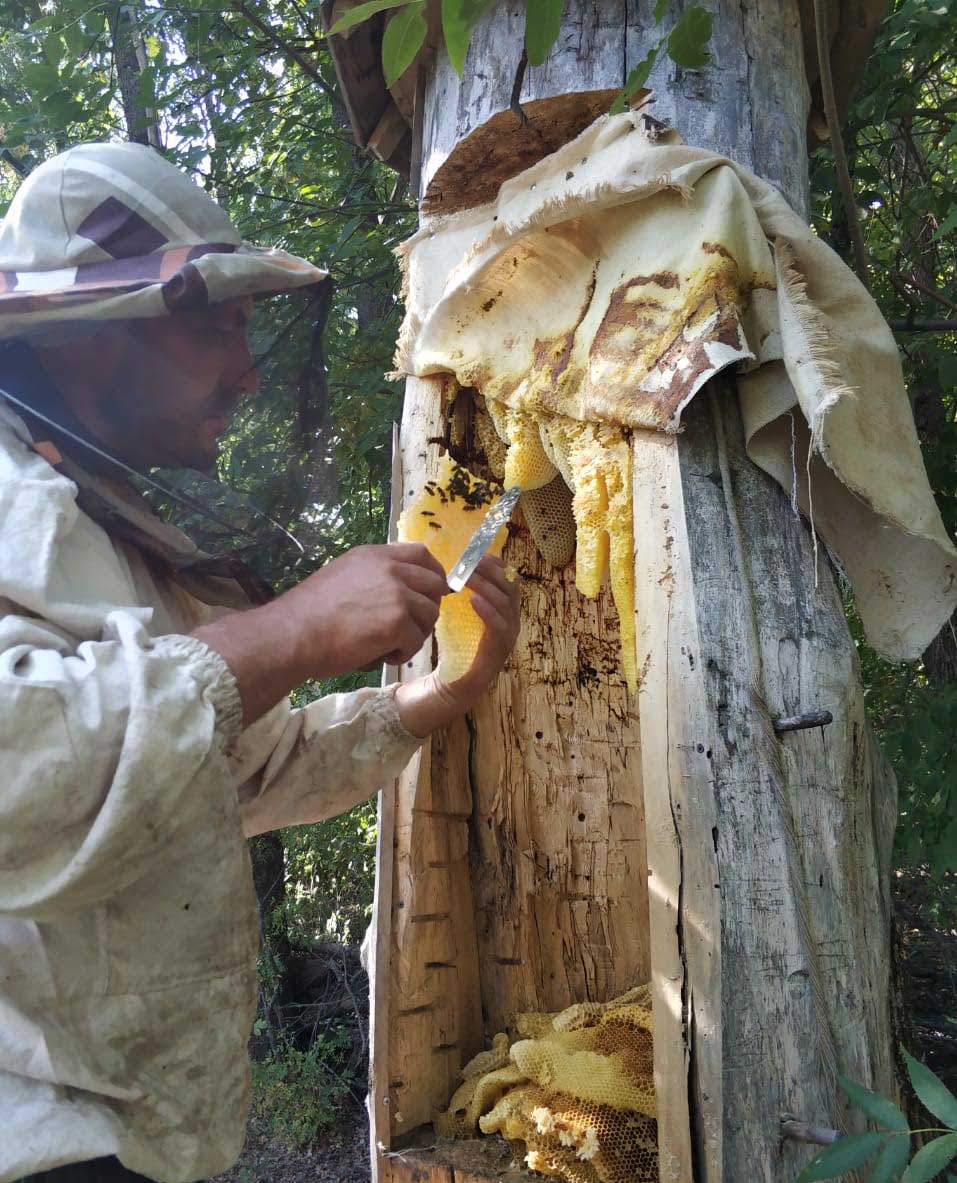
{"x": 569, "y": 840}
{"x": 129, "y": 58}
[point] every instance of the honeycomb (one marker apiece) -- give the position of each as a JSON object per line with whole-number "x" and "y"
{"x": 548, "y": 515}
{"x": 593, "y": 461}
{"x": 577, "y": 1092}
{"x": 526, "y": 463}
{"x": 444, "y": 517}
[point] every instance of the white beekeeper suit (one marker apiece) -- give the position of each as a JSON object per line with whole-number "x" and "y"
{"x": 128, "y": 920}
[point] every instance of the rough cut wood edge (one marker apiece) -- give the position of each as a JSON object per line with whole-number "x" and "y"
{"x": 504, "y": 146}
{"x": 486, "y": 1160}
{"x": 674, "y": 718}
{"x": 428, "y": 965}
{"x": 378, "y": 968}
{"x": 853, "y": 26}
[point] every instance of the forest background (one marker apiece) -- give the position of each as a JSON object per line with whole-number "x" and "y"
{"x": 242, "y": 95}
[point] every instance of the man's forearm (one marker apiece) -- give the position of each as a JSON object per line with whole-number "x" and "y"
{"x": 260, "y": 647}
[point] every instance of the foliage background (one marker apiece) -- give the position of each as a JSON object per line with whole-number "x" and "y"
{"x": 242, "y": 96}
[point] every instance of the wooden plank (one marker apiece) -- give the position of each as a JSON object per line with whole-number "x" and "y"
{"x": 558, "y": 841}
{"x": 435, "y": 1016}
{"x": 675, "y": 723}
{"x": 485, "y": 1160}
{"x": 768, "y": 856}
{"x": 379, "y": 1002}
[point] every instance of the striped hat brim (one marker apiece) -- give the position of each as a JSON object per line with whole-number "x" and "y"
{"x": 147, "y": 285}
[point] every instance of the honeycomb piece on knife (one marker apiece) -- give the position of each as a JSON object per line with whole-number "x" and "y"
{"x": 444, "y": 517}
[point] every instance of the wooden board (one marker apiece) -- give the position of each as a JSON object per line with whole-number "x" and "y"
{"x": 518, "y": 835}
{"x": 486, "y": 1160}
{"x": 769, "y": 856}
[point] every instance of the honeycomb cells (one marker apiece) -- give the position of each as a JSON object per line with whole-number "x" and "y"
{"x": 578, "y": 1094}
{"x": 593, "y": 462}
{"x": 444, "y": 517}
{"x": 548, "y": 515}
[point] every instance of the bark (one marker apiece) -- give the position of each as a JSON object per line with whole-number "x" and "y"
{"x": 129, "y": 58}
{"x": 531, "y": 843}
{"x": 269, "y": 878}
{"x": 930, "y": 414}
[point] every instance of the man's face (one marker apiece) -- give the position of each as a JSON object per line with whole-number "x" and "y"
{"x": 159, "y": 392}
{"x": 195, "y": 368}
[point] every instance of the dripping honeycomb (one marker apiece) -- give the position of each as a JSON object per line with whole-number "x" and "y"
{"x": 575, "y": 1090}
{"x": 548, "y": 515}
{"x": 444, "y": 517}
{"x": 593, "y": 460}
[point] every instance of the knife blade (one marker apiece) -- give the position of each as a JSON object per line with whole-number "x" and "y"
{"x": 482, "y": 539}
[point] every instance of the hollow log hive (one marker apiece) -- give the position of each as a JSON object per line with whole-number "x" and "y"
{"x": 571, "y": 839}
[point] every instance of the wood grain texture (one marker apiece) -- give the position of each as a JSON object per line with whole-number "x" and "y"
{"x": 746, "y": 828}
{"x": 557, "y": 835}
{"x": 434, "y": 1000}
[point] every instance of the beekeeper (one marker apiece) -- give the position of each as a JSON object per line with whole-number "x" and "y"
{"x": 144, "y": 725}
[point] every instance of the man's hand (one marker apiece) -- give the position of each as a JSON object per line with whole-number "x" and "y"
{"x": 374, "y": 603}
{"x": 428, "y": 702}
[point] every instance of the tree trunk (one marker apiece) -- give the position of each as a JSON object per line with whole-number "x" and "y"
{"x": 569, "y": 840}
{"x": 129, "y": 57}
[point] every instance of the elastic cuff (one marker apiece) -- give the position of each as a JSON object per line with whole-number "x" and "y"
{"x": 216, "y": 682}
{"x": 385, "y": 706}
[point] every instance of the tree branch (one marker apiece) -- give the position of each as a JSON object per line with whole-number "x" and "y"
{"x": 923, "y": 326}
{"x": 281, "y": 43}
{"x": 17, "y": 165}
{"x": 837, "y": 142}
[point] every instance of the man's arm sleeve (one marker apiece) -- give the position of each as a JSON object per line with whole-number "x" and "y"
{"x": 322, "y": 760}
{"x": 109, "y": 750}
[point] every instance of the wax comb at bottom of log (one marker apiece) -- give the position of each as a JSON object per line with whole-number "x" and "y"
{"x": 576, "y": 1089}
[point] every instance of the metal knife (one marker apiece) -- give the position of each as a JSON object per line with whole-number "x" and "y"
{"x": 483, "y": 538}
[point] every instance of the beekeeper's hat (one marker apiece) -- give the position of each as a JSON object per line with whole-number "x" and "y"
{"x": 110, "y": 231}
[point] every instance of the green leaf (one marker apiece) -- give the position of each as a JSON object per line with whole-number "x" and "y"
{"x": 935, "y": 1094}
{"x": 891, "y": 1160}
{"x": 843, "y": 1155}
{"x": 660, "y": 9}
{"x": 362, "y": 12}
{"x": 543, "y": 20}
{"x": 931, "y": 1159}
{"x": 403, "y": 39}
{"x": 42, "y": 80}
{"x": 75, "y": 40}
{"x": 884, "y": 1112}
{"x": 949, "y": 224}
{"x": 459, "y": 18}
{"x": 636, "y": 79}
{"x": 53, "y": 49}
{"x": 688, "y": 40}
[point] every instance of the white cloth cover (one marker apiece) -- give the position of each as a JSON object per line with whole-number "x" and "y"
{"x": 613, "y": 278}
{"x": 128, "y": 920}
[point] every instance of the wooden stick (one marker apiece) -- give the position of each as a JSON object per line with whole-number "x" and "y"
{"x": 797, "y": 1131}
{"x": 803, "y": 722}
